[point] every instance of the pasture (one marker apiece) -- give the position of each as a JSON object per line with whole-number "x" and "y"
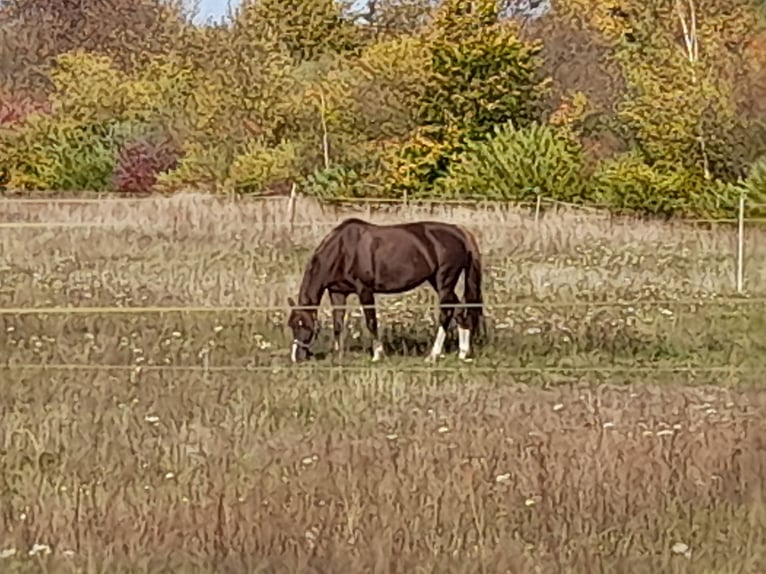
{"x": 584, "y": 435}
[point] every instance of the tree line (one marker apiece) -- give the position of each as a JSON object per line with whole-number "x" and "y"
{"x": 651, "y": 106}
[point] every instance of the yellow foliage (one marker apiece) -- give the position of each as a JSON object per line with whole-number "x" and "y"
{"x": 88, "y": 87}
{"x": 404, "y": 58}
{"x": 572, "y": 109}
{"x": 200, "y": 167}
{"x": 259, "y": 166}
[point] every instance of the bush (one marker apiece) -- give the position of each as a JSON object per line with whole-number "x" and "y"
{"x": 516, "y": 164}
{"x": 627, "y": 183}
{"x": 336, "y": 182}
{"x": 140, "y": 161}
{"x": 756, "y": 186}
{"x": 259, "y": 168}
{"x": 63, "y": 155}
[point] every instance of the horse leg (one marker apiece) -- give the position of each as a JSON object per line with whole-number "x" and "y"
{"x": 447, "y": 300}
{"x": 367, "y": 299}
{"x": 464, "y": 334}
{"x": 338, "y": 301}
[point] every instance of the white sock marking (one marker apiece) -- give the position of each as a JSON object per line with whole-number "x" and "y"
{"x": 377, "y": 350}
{"x": 294, "y": 353}
{"x": 436, "y": 350}
{"x": 464, "y": 338}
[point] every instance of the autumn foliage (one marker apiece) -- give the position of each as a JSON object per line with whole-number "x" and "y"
{"x": 649, "y": 107}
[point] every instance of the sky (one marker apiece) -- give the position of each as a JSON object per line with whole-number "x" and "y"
{"x": 213, "y": 8}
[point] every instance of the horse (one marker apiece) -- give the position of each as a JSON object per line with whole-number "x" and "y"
{"x": 363, "y": 258}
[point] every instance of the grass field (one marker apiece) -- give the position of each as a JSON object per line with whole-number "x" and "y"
{"x": 584, "y": 435}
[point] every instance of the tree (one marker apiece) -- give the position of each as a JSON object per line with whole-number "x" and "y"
{"x": 35, "y": 32}
{"x": 676, "y": 58}
{"x": 480, "y": 75}
{"x": 308, "y": 29}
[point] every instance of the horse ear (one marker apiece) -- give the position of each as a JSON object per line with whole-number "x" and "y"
{"x": 291, "y": 302}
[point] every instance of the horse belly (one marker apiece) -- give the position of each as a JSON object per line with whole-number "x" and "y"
{"x": 403, "y": 270}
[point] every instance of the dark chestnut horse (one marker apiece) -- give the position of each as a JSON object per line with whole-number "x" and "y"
{"x": 363, "y": 258}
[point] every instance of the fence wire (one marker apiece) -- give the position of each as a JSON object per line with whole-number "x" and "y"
{"x": 471, "y": 368}
{"x": 395, "y": 306}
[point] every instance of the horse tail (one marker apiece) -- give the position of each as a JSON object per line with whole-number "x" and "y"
{"x": 473, "y": 277}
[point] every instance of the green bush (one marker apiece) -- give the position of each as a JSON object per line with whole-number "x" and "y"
{"x": 336, "y": 182}
{"x": 755, "y": 184}
{"x": 628, "y": 184}
{"x": 517, "y": 163}
{"x": 259, "y": 168}
{"x": 200, "y": 167}
{"x": 64, "y": 155}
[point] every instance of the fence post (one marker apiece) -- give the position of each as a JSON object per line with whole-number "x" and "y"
{"x": 537, "y": 205}
{"x": 741, "y": 242}
{"x": 291, "y": 207}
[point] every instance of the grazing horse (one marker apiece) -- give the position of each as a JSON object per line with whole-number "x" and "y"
{"x": 365, "y": 258}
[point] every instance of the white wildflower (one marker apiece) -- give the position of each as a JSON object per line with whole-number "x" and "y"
{"x": 502, "y": 478}
{"x": 558, "y": 407}
{"x": 682, "y": 549}
{"x": 443, "y": 429}
{"x": 7, "y": 553}
{"x": 608, "y": 425}
{"x": 39, "y": 549}
{"x": 152, "y": 419}
{"x": 169, "y": 475}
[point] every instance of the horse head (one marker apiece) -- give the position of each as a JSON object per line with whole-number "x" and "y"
{"x": 305, "y": 327}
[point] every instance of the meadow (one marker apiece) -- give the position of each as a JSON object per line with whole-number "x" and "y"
{"x": 584, "y": 435}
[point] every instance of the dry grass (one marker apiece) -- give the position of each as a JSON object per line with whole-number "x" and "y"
{"x": 470, "y": 469}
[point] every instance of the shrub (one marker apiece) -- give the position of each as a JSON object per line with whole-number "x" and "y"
{"x": 756, "y": 186}
{"x": 140, "y": 161}
{"x": 518, "y": 163}
{"x": 199, "y": 167}
{"x": 629, "y": 184}
{"x": 63, "y": 155}
{"x": 259, "y": 168}
{"x": 335, "y": 182}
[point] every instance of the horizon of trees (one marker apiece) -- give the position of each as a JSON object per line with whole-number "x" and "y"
{"x": 655, "y": 107}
